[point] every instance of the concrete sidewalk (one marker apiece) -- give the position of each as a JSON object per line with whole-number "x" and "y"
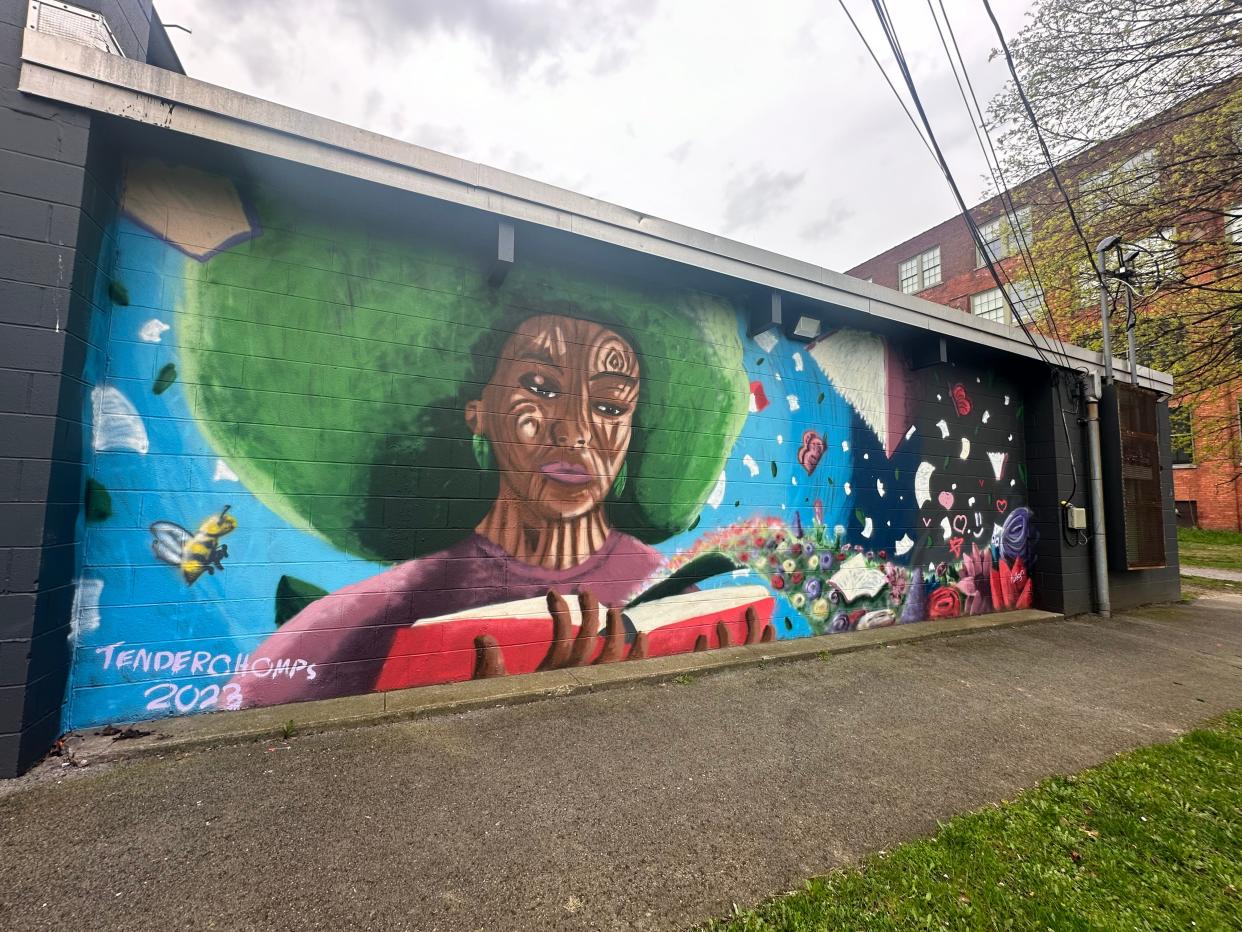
{"x": 1211, "y": 572}
{"x": 644, "y": 807}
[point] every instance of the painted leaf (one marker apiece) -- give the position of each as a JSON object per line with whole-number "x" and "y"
{"x": 293, "y": 595}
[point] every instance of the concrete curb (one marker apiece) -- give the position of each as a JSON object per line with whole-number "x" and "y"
{"x": 171, "y": 736}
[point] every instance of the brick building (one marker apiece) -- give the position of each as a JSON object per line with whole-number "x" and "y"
{"x": 944, "y": 265}
{"x": 290, "y": 410}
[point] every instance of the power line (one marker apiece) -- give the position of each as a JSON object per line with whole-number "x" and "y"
{"x": 894, "y": 42}
{"x": 887, "y": 80}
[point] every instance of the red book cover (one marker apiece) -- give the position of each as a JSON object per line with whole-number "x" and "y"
{"x": 442, "y": 649}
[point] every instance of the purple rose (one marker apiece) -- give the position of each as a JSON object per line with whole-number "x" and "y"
{"x": 812, "y": 588}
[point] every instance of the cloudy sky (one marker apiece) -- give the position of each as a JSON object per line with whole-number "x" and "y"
{"x": 772, "y": 127}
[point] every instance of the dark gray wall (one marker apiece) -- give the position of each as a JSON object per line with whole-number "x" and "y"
{"x": 56, "y": 187}
{"x": 1063, "y": 570}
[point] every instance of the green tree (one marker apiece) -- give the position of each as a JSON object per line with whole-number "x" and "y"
{"x": 1140, "y": 104}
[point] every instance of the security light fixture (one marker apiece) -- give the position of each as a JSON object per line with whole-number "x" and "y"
{"x": 807, "y": 328}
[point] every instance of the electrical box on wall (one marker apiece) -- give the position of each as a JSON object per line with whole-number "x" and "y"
{"x": 1133, "y": 477}
{"x": 1075, "y": 517}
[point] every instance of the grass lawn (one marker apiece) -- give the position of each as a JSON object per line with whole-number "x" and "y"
{"x": 1191, "y": 583}
{"x": 1150, "y": 840}
{"x": 1222, "y": 549}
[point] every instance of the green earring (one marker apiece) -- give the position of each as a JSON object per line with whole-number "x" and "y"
{"x": 482, "y": 451}
{"x": 618, "y": 484}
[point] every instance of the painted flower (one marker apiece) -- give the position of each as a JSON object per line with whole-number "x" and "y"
{"x": 796, "y": 577}
{"x": 812, "y": 562}
{"x": 976, "y": 581}
{"x": 789, "y": 566}
{"x": 797, "y": 524}
{"x": 915, "y": 608}
{"x": 944, "y": 602}
{"x": 778, "y": 582}
{"x": 812, "y": 588}
{"x": 834, "y": 594}
{"x": 1016, "y": 534}
{"x": 819, "y": 608}
{"x": 1011, "y": 585}
{"x": 798, "y": 600}
{"x": 898, "y": 580}
{"x": 840, "y": 622}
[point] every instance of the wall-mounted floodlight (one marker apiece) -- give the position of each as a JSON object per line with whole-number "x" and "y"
{"x": 766, "y": 317}
{"x": 807, "y": 328}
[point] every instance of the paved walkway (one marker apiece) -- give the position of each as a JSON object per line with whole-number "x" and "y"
{"x": 1210, "y": 572}
{"x": 650, "y": 807}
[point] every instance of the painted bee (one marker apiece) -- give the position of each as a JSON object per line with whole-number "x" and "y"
{"x": 194, "y": 554}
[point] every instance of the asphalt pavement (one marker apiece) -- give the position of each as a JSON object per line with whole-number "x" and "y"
{"x": 649, "y": 807}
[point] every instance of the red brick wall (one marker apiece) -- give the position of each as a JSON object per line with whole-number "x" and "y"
{"x": 1213, "y": 482}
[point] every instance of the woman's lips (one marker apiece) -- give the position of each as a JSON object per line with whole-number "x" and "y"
{"x": 568, "y": 473}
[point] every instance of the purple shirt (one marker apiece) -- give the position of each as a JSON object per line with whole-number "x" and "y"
{"x": 344, "y": 638}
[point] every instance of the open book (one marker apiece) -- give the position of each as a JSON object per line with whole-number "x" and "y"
{"x": 442, "y": 649}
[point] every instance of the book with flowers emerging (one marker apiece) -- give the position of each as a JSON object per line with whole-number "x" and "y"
{"x": 443, "y": 649}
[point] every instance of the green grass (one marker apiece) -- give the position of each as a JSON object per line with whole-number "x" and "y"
{"x": 1150, "y": 840}
{"x": 1191, "y": 583}
{"x": 1221, "y": 549}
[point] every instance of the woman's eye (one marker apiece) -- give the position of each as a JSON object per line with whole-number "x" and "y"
{"x": 540, "y": 386}
{"x": 610, "y": 410}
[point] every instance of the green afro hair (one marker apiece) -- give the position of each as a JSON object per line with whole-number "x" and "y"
{"x": 331, "y": 369}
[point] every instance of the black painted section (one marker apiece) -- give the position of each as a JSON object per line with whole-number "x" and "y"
{"x": 57, "y": 187}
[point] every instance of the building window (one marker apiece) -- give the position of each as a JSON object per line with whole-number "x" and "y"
{"x": 1004, "y": 237}
{"x": 1233, "y": 227}
{"x": 1028, "y": 300}
{"x": 920, "y": 272}
{"x": 1182, "y": 436}
{"x": 1156, "y": 261}
{"x": 990, "y": 305}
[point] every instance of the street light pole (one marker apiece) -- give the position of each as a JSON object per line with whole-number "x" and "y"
{"x": 1105, "y": 245}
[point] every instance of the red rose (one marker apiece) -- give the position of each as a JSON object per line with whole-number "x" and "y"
{"x": 944, "y": 602}
{"x": 778, "y": 582}
{"x": 796, "y": 577}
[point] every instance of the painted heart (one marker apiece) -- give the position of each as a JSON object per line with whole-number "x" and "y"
{"x": 956, "y": 546}
{"x": 811, "y": 451}
{"x": 1001, "y": 505}
{"x": 945, "y": 499}
{"x": 960, "y": 400}
{"x": 959, "y": 523}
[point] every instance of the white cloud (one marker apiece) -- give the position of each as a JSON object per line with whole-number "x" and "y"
{"x": 803, "y": 151}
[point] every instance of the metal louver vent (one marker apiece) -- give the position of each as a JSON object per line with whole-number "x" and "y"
{"x": 73, "y": 23}
{"x": 1133, "y": 479}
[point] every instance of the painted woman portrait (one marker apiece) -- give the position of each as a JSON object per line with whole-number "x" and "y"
{"x": 493, "y": 444}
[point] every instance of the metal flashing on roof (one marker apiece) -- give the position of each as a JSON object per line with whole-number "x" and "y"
{"x": 74, "y": 23}
{"x": 74, "y": 74}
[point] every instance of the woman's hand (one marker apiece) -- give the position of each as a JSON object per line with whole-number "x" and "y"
{"x": 577, "y": 650}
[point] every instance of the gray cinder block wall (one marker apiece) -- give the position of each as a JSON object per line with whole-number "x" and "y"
{"x": 55, "y": 191}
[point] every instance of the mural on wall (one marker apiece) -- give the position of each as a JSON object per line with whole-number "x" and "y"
{"x": 329, "y": 460}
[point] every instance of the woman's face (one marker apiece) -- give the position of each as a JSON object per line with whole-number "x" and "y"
{"x": 558, "y": 411}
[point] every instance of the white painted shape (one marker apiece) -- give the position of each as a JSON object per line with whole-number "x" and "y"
{"x": 845, "y": 446}
{"x": 965, "y": 448}
{"x": 903, "y": 546}
{"x": 856, "y": 363}
{"x": 85, "y": 615}
{"x": 946, "y": 527}
{"x": 749, "y": 462}
{"x": 223, "y": 473}
{"x": 793, "y": 402}
{"x": 944, "y": 428}
{"x": 922, "y": 483}
{"x": 766, "y": 340}
{"x": 847, "y": 489}
{"x": 797, "y": 361}
{"x": 152, "y": 330}
{"x": 868, "y": 528}
{"x": 879, "y": 487}
{"x": 117, "y": 423}
{"x": 998, "y": 463}
{"x": 910, "y": 432}
{"x": 986, "y": 415}
{"x": 718, "y": 491}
